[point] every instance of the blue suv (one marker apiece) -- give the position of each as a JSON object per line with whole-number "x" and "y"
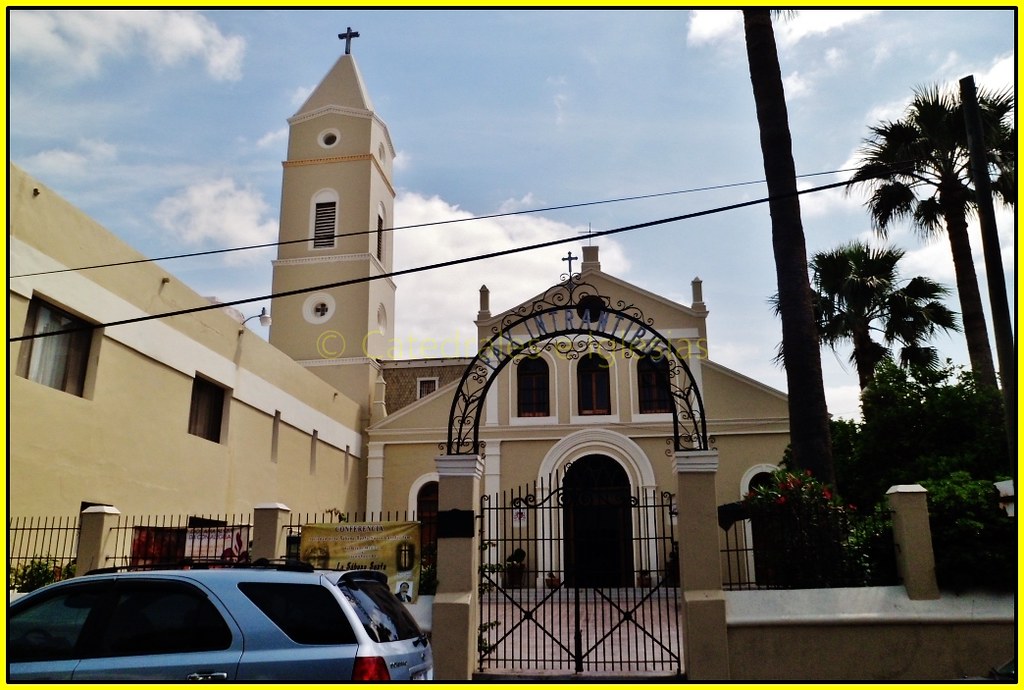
{"x": 222, "y": 624}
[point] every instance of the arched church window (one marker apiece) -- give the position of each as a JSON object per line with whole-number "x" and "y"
{"x": 325, "y": 219}
{"x": 594, "y": 385}
{"x": 652, "y": 375}
{"x": 532, "y": 388}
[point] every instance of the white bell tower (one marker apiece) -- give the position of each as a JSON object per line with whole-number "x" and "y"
{"x": 337, "y": 205}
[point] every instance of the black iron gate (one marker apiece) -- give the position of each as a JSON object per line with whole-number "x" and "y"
{"x": 579, "y": 574}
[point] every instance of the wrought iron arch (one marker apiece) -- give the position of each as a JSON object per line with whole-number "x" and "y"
{"x": 573, "y": 319}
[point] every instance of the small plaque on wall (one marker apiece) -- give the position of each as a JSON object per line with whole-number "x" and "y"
{"x": 455, "y": 524}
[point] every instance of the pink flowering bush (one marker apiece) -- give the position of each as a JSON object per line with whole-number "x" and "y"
{"x": 803, "y": 535}
{"x": 795, "y": 489}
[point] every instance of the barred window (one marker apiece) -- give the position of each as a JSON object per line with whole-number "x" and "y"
{"x": 425, "y": 387}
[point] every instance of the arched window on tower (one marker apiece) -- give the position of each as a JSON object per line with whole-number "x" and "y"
{"x": 532, "y": 387}
{"x": 652, "y": 375}
{"x": 594, "y": 385}
{"x": 325, "y": 219}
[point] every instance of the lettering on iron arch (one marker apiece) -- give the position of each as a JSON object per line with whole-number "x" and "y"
{"x": 573, "y": 319}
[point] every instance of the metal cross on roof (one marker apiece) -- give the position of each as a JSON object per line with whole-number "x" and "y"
{"x": 347, "y": 37}
{"x": 570, "y": 258}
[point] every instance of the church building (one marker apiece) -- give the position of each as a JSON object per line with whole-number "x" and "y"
{"x": 593, "y": 379}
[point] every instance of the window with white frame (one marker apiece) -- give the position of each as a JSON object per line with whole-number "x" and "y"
{"x": 425, "y": 387}
{"x": 58, "y": 355}
{"x": 594, "y": 385}
{"x": 652, "y": 373}
{"x": 325, "y": 219}
{"x": 533, "y": 398}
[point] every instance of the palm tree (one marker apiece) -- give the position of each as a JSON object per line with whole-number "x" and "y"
{"x": 918, "y": 168}
{"x": 808, "y": 412}
{"x": 859, "y": 293}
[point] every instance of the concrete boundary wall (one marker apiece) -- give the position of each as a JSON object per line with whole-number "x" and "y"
{"x": 867, "y": 634}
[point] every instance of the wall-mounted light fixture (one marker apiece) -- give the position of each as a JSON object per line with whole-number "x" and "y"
{"x": 264, "y": 318}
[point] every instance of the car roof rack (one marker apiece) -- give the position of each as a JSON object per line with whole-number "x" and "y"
{"x": 280, "y": 564}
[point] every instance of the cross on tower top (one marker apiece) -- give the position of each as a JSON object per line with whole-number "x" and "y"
{"x": 570, "y": 258}
{"x": 347, "y": 37}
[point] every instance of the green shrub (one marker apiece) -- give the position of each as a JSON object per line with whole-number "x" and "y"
{"x": 39, "y": 572}
{"x": 973, "y": 539}
{"x": 805, "y": 536}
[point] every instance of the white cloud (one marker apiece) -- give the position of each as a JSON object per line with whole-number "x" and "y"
{"x": 711, "y": 26}
{"x": 525, "y": 202}
{"x": 222, "y": 214}
{"x": 828, "y": 201}
{"x": 77, "y": 42}
{"x": 843, "y": 401}
{"x": 300, "y": 95}
{"x": 931, "y": 258}
{"x": 273, "y": 139}
{"x": 796, "y": 86}
{"x": 436, "y": 308}
{"x": 834, "y": 58}
{"x": 560, "y": 99}
{"x": 807, "y": 23}
{"x": 560, "y": 102}
{"x": 999, "y": 76}
{"x": 75, "y": 163}
{"x": 402, "y": 161}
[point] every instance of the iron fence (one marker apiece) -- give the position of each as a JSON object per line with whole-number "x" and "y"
{"x": 578, "y": 578}
{"x": 766, "y": 553}
{"x": 149, "y": 541}
{"x": 40, "y": 550}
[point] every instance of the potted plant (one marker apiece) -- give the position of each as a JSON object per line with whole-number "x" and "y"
{"x": 515, "y": 569}
{"x": 552, "y": 581}
{"x": 643, "y": 578}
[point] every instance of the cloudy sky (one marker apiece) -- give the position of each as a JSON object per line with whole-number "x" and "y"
{"x": 169, "y": 128}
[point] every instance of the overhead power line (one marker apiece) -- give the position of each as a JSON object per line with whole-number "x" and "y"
{"x": 428, "y": 267}
{"x": 281, "y": 243}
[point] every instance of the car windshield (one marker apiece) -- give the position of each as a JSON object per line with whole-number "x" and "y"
{"x": 381, "y": 613}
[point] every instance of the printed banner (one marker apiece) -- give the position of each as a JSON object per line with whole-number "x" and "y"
{"x": 175, "y": 546}
{"x": 388, "y": 547}
{"x": 218, "y": 543}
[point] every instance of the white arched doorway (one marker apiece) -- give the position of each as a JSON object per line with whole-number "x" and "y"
{"x": 619, "y": 457}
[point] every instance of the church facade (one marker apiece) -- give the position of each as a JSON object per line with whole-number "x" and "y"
{"x": 194, "y": 413}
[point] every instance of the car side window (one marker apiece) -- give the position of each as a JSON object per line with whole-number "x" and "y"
{"x": 50, "y": 629}
{"x": 162, "y": 618}
{"x": 308, "y": 614}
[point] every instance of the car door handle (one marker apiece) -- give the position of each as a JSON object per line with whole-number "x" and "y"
{"x": 205, "y": 677}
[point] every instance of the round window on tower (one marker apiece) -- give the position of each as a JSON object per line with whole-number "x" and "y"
{"x": 329, "y": 138}
{"x": 318, "y": 308}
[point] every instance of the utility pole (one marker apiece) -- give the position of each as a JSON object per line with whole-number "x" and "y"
{"x": 1001, "y": 323}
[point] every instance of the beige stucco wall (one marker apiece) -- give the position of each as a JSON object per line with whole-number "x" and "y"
{"x": 867, "y": 634}
{"x": 126, "y": 441}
